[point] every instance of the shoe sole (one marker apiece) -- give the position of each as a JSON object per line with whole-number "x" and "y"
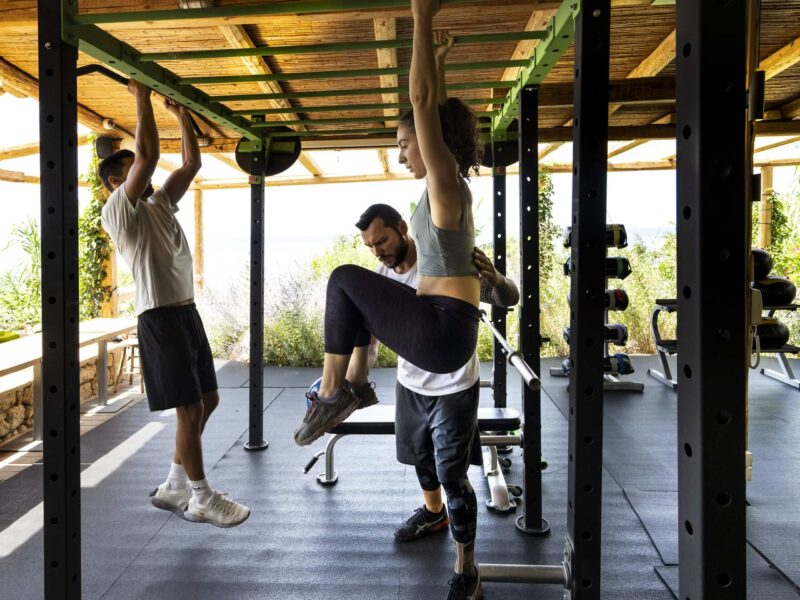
{"x": 333, "y": 423}
{"x": 163, "y": 505}
{"x": 201, "y": 519}
{"x": 366, "y": 403}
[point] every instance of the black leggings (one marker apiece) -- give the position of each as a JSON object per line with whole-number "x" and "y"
{"x": 435, "y": 333}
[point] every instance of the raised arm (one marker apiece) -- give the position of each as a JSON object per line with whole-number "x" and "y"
{"x": 147, "y": 146}
{"x": 443, "y": 42}
{"x": 179, "y": 181}
{"x": 442, "y": 170}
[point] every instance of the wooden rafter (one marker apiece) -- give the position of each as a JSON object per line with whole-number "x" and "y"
{"x": 21, "y": 81}
{"x": 383, "y": 155}
{"x": 655, "y": 62}
{"x": 791, "y": 110}
{"x": 665, "y": 120}
{"x": 239, "y": 38}
{"x": 779, "y": 61}
{"x": 31, "y": 149}
{"x": 538, "y": 20}
{"x": 386, "y": 29}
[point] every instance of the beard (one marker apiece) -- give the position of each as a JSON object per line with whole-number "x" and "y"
{"x": 399, "y": 256}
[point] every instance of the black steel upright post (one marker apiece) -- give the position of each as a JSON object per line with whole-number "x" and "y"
{"x": 499, "y": 314}
{"x": 530, "y": 339}
{"x": 258, "y": 163}
{"x": 585, "y": 458}
{"x": 58, "y": 134}
{"x": 712, "y": 288}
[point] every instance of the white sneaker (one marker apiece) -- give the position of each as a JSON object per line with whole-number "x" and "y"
{"x": 219, "y": 511}
{"x": 175, "y": 501}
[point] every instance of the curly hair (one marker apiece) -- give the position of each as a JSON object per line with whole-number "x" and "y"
{"x": 460, "y": 133}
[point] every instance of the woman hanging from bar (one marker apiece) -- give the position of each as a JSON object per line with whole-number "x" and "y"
{"x": 435, "y": 328}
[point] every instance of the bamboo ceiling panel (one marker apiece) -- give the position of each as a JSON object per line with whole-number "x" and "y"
{"x": 636, "y": 32}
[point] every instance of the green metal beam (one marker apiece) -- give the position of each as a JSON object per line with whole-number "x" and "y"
{"x": 337, "y": 120}
{"x": 250, "y": 10}
{"x": 106, "y": 48}
{"x": 357, "y": 92}
{"x": 483, "y": 38}
{"x": 365, "y": 131}
{"x": 560, "y": 34}
{"x": 350, "y": 107}
{"x": 351, "y": 73}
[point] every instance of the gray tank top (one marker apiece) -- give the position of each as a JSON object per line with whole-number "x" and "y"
{"x": 443, "y": 252}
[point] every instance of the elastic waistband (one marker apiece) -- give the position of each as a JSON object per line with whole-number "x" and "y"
{"x": 171, "y": 308}
{"x": 456, "y": 305}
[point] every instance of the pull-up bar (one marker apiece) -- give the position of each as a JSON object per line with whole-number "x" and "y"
{"x": 347, "y": 73}
{"x": 350, "y": 107}
{"x": 472, "y": 85}
{"x": 514, "y": 356}
{"x": 482, "y": 38}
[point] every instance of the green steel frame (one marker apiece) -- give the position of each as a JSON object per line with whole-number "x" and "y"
{"x": 560, "y": 35}
{"x": 350, "y": 107}
{"x": 483, "y": 38}
{"x": 82, "y": 31}
{"x": 350, "y": 73}
{"x": 299, "y": 7}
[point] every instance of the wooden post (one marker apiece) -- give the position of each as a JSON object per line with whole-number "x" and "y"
{"x": 765, "y": 213}
{"x": 198, "y": 239}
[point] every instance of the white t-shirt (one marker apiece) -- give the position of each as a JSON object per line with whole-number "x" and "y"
{"x": 424, "y": 382}
{"x": 152, "y": 242}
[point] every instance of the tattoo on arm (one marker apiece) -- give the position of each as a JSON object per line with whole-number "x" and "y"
{"x": 505, "y": 294}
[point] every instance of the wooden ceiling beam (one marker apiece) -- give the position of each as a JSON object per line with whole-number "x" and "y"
{"x": 386, "y": 29}
{"x": 782, "y": 59}
{"x": 791, "y": 110}
{"x": 538, "y": 21}
{"x": 19, "y": 80}
{"x": 239, "y": 38}
{"x": 31, "y": 149}
{"x": 383, "y": 156}
{"x": 652, "y": 65}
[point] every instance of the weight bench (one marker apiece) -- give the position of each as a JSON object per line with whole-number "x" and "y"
{"x": 664, "y": 348}
{"x": 379, "y": 420}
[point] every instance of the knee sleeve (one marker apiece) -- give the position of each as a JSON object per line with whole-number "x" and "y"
{"x": 462, "y": 508}
{"x": 427, "y": 478}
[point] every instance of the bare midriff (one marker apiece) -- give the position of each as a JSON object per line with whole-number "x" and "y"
{"x": 466, "y": 288}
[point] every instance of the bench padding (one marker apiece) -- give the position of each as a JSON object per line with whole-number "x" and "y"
{"x": 379, "y": 420}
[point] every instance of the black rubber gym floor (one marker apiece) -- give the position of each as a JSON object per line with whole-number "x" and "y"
{"x": 306, "y": 542}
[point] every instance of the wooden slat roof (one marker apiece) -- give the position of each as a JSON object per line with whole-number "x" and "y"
{"x": 637, "y": 29}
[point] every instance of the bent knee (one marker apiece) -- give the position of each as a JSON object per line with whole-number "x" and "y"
{"x": 190, "y": 413}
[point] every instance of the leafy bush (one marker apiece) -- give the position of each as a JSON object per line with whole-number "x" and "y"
{"x": 21, "y": 295}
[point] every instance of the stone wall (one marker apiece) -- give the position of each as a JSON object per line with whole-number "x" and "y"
{"x": 16, "y": 403}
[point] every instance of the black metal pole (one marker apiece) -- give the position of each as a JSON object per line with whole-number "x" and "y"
{"x": 58, "y": 134}
{"x": 585, "y": 460}
{"x": 530, "y": 340}
{"x": 712, "y": 222}
{"x": 499, "y": 314}
{"x": 258, "y": 163}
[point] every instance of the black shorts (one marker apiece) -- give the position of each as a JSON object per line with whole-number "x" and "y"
{"x": 177, "y": 365}
{"x": 439, "y": 432}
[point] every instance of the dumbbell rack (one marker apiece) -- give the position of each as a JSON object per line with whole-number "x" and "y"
{"x": 611, "y": 381}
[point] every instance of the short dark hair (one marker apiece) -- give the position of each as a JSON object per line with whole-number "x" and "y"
{"x": 112, "y": 166}
{"x": 390, "y": 217}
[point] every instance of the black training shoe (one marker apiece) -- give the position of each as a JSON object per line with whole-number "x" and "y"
{"x": 366, "y": 394}
{"x": 423, "y": 522}
{"x": 321, "y": 417}
{"x": 465, "y": 587}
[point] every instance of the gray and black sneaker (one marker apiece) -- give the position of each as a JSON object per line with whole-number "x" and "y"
{"x": 465, "y": 587}
{"x": 423, "y": 522}
{"x": 366, "y": 393}
{"x": 321, "y": 417}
